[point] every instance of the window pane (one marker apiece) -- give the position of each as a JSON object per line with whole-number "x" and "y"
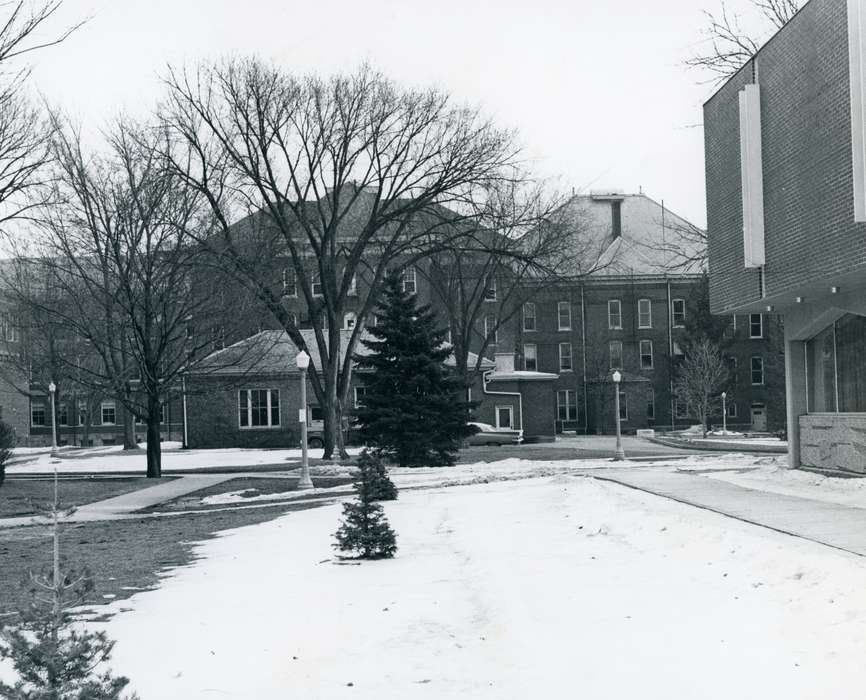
{"x": 258, "y": 407}
{"x": 564, "y": 309}
{"x": 851, "y": 363}
{"x": 615, "y": 354}
{"x": 275, "y": 407}
{"x": 530, "y": 358}
{"x": 565, "y": 356}
{"x": 243, "y": 397}
{"x": 529, "y": 316}
{"x": 644, "y": 312}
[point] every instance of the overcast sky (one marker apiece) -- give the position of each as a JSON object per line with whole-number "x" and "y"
{"x": 599, "y": 95}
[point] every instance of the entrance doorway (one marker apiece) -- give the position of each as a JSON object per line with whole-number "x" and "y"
{"x": 759, "y": 417}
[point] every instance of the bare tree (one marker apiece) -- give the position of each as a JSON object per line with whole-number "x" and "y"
{"x": 118, "y": 247}
{"x": 701, "y": 378}
{"x": 341, "y": 178}
{"x": 729, "y": 46}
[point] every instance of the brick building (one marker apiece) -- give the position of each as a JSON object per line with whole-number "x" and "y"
{"x": 786, "y": 202}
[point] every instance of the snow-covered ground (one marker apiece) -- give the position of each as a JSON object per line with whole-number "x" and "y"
{"x": 114, "y": 459}
{"x": 556, "y": 587}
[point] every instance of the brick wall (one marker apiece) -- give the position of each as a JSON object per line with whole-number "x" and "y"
{"x": 810, "y": 233}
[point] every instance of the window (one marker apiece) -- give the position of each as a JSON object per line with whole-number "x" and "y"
{"x": 353, "y": 287}
{"x": 614, "y": 314}
{"x": 490, "y": 289}
{"x": 681, "y": 409}
{"x": 530, "y": 357}
{"x": 259, "y": 408}
{"x": 836, "y": 367}
{"x": 615, "y": 354}
{"x": 491, "y": 328}
{"x": 616, "y": 218}
{"x": 565, "y": 357}
{"x": 563, "y": 312}
{"x": 63, "y": 414}
{"x": 732, "y": 410}
{"x": 646, "y": 354}
{"x": 316, "y": 285}
{"x": 566, "y": 405}
{"x": 37, "y": 415}
{"x": 10, "y": 329}
{"x": 293, "y": 317}
{"x": 732, "y": 368}
{"x": 504, "y": 416}
{"x": 644, "y": 313}
{"x": 108, "y": 413}
{"x": 678, "y": 311}
{"x": 290, "y": 287}
{"x": 349, "y": 320}
{"x": 623, "y": 406}
{"x": 408, "y": 281}
{"x": 360, "y": 393}
{"x": 82, "y": 413}
{"x": 678, "y": 350}
{"x": 317, "y": 413}
{"x": 757, "y": 369}
{"x": 756, "y": 326}
{"x": 529, "y": 316}
{"x": 651, "y": 405}
{"x": 163, "y": 413}
{"x": 734, "y": 322}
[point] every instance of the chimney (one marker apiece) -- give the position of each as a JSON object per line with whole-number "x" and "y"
{"x": 504, "y": 362}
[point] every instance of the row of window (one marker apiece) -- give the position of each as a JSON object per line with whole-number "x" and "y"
{"x": 567, "y": 410}
{"x": 260, "y": 408}
{"x": 107, "y": 414}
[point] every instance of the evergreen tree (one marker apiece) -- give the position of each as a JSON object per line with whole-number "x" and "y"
{"x": 412, "y": 409}
{"x": 7, "y": 442}
{"x": 700, "y": 323}
{"x": 365, "y": 529}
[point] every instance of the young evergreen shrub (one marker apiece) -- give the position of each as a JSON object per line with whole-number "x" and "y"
{"x": 374, "y": 478}
{"x": 7, "y": 442}
{"x": 364, "y": 530}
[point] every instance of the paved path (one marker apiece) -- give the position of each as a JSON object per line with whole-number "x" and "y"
{"x": 842, "y": 527}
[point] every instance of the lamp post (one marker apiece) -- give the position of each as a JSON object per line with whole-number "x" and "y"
{"x": 303, "y": 361}
{"x": 52, "y": 387}
{"x": 724, "y": 414}
{"x": 618, "y": 454}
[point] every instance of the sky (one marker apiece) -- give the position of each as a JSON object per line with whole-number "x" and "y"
{"x": 597, "y": 91}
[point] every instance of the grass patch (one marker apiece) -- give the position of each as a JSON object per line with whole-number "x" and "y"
{"x": 124, "y": 556}
{"x": 24, "y": 496}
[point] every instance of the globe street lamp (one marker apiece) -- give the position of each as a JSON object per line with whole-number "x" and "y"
{"x": 618, "y": 454}
{"x": 303, "y": 361}
{"x": 724, "y": 414}
{"x": 52, "y": 387}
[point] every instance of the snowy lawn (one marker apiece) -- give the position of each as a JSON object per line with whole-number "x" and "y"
{"x": 559, "y": 587}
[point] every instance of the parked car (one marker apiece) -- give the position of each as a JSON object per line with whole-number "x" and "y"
{"x": 486, "y": 434}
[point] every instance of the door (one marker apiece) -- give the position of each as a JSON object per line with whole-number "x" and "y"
{"x": 759, "y": 417}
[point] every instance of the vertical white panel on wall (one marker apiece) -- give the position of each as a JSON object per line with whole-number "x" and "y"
{"x": 752, "y": 176}
{"x": 856, "y": 74}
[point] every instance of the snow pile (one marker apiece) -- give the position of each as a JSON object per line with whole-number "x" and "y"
{"x": 559, "y": 587}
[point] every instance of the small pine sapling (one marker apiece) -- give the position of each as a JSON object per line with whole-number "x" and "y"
{"x": 374, "y": 475}
{"x": 53, "y": 657}
{"x": 365, "y": 530}
{"x": 7, "y": 442}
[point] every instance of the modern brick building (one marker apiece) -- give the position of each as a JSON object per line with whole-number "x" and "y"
{"x": 786, "y": 201}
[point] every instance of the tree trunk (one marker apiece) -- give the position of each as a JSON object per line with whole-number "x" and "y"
{"x": 154, "y": 449}
{"x": 332, "y": 418}
{"x": 129, "y": 441}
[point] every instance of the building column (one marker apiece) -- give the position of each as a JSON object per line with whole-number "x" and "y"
{"x": 795, "y": 394}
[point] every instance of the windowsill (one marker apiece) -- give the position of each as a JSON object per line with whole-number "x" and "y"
{"x": 645, "y": 328}
{"x": 529, "y": 330}
{"x": 614, "y": 328}
{"x": 259, "y": 427}
{"x": 756, "y": 337}
{"x": 563, "y": 329}
{"x": 566, "y": 371}
{"x": 647, "y": 369}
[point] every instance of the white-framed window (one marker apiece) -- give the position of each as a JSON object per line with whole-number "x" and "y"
{"x": 163, "y": 413}
{"x": 757, "y": 370}
{"x": 678, "y": 350}
{"x": 360, "y": 393}
{"x": 259, "y": 408}
{"x": 505, "y": 416}
{"x": 646, "y": 354}
{"x": 349, "y": 320}
{"x": 353, "y": 287}
{"x": 565, "y": 364}
{"x": 732, "y": 409}
{"x": 566, "y": 405}
{"x": 651, "y": 405}
{"x": 37, "y": 415}
{"x": 82, "y": 413}
{"x": 108, "y": 413}
{"x": 615, "y": 348}
{"x": 63, "y": 414}
{"x": 491, "y": 328}
{"x": 623, "y": 406}
{"x": 614, "y": 314}
{"x": 530, "y": 357}
{"x": 644, "y": 313}
{"x": 290, "y": 286}
{"x": 409, "y": 281}
{"x": 529, "y": 316}
{"x": 316, "y": 284}
{"x": 563, "y": 314}
{"x": 678, "y": 312}
{"x": 490, "y": 289}
{"x": 756, "y": 325}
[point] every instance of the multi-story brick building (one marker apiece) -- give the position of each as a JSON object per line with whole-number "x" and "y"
{"x": 786, "y": 201}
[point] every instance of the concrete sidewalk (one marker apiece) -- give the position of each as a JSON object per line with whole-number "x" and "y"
{"x": 834, "y": 525}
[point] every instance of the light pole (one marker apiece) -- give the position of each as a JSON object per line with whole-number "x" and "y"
{"x": 303, "y": 361}
{"x": 52, "y": 387}
{"x": 724, "y": 414}
{"x": 618, "y": 454}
